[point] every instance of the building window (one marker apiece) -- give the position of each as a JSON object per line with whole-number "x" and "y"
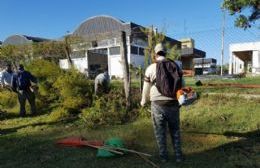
{"x": 184, "y": 46}
{"x": 94, "y": 43}
{"x": 78, "y": 54}
{"x": 114, "y": 51}
{"x": 134, "y": 50}
{"x": 141, "y": 51}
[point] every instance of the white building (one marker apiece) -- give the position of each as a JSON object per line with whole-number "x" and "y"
{"x": 244, "y": 58}
{"x": 102, "y": 48}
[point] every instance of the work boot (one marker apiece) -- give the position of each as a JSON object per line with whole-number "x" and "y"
{"x": 164, "y": 159}
{"x": 179, "y": 158}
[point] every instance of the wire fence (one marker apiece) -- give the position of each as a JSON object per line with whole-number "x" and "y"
{"x": 210, "y": 40}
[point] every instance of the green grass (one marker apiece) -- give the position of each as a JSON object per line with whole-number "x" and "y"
{"x": 190, "y": 81}
{"x": 216, "y": 132}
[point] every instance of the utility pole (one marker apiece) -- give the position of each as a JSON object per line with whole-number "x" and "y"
{"x": 185, "y": 28}
{"x": 222, "y": 41}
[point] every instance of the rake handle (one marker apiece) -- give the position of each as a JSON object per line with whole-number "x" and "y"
{"x": 104, "y": 148}
{"x": 148, "y": 161}
{"x": 129, "y": 150}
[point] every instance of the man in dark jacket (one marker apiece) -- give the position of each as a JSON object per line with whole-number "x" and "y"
{"x": 23, "y": 83}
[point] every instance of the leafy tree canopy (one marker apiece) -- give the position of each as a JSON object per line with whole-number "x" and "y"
{"x": 238, "y": 7}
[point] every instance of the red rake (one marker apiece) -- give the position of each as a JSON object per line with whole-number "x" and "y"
{"x": 98, "y": 144}
{"x": 80, "y": 142}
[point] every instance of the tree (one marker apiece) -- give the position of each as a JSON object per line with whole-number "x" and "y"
{"x": 51, "y": 50}
{"x": 15, "y": 54}
{"x": 159, "y": 37}
{"x": 125, "y": 66}
{"x": 71, "y": 42}
{"x": 173, "y": 52}
{"x": 239, "y": 7}
{"x": 153, "y": 39}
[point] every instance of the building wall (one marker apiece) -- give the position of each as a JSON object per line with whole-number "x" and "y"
{"x": 80, "y": 63}
{"x": 115, "y": 66}
{"x": 256, "y": 62}
{"x": 105, "y": 32}
{"x": 237, "y": 65}
{"x": 113, "y": 60}
{"x": 187, "y": 43}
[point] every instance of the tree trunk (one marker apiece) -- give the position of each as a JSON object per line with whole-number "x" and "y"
{"x": 140, "y": 69}
{"x": 68, "y": 51}
{"x": 123, "y": 50}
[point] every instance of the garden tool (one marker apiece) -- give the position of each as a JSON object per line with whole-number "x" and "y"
{"x": 80, "y": 142}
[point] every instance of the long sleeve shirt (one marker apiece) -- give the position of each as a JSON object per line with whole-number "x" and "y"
{"x": 150, "y": 91}
{"x": 6, "y": 78}
{"x": 27, "y": 76}
{"x": 102, "y": 79}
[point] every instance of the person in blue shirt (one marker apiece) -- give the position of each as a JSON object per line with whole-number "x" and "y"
{"x": 23, "y": 83}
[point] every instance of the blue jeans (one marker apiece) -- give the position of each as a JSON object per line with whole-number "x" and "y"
{"x": 161, "y": 116}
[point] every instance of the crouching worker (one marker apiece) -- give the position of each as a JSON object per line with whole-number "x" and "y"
{"x": 164, "y": 105}
{"x": 24, "y": 83}
{"x": 102, "y": 82}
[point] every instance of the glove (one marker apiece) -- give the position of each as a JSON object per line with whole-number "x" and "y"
{"x": 142, "y": 103}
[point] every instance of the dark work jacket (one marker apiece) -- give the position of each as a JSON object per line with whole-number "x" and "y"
{"x": 27, "y": 75}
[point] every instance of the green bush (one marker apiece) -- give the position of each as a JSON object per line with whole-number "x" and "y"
{"x": 47, "y": 73}
{"x": 74, "y": 89}
{"x": 144, "y": 112}
{"x": 8, "y": 99}
{"x": 106, "y": 110}
{"x": 45, "y": 70}
{"x": 59, "y": 114}
{"x": 70, "y": 89}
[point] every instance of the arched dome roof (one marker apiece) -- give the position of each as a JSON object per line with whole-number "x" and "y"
{"x": 21, "y": 39}
{"x": 16, "y": 40}
{"x": 99, "y": 25}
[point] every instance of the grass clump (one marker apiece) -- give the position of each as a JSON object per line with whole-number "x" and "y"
{"x": 59, "y": 114}
{"x": 8, "y": 99}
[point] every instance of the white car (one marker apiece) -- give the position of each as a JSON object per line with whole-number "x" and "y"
{"x": 209, "y": 71}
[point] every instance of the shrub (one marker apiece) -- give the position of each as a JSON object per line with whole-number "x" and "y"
{"x": 45, "y": 70}
{"x": 46, "y": 73}
{"x": 106, "y": 110}
{"x": 58, "y": 114}
{"x": 69, "y": 88}
{"x": 8, "y": 99}
{"x": 74, "y": 89}
{"x": 144, "y": 112}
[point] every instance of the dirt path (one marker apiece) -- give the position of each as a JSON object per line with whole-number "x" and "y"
{"x": 234, "y": 85}
{"x": 246, "y": 96}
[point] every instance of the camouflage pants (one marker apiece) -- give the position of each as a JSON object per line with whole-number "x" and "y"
{"x": 24, "y": 95}
{"x": 163, "y": 115}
